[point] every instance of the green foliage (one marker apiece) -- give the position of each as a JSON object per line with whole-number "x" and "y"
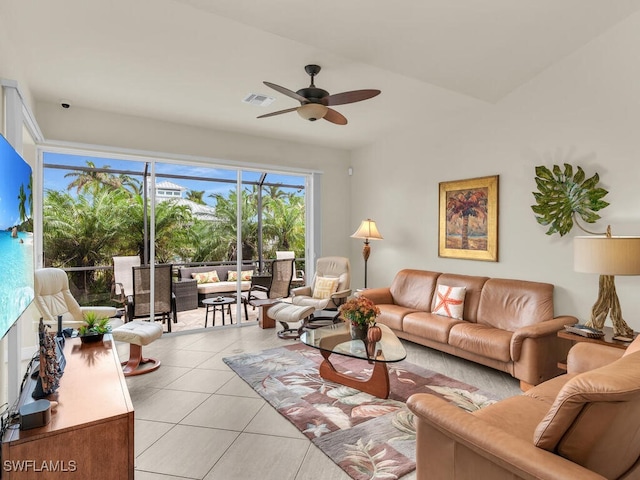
{"x": 94, "y": 324}
{"x": 562, "y": 194}
{"x": 106, "y": 218}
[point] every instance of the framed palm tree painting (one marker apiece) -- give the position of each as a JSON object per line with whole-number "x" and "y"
{"x": 468, "y": 226}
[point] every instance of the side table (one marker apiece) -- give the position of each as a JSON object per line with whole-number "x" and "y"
{"x": 606, "y": 340}
{"x": 264, "y": 320}
{"x": 212, "y": 304}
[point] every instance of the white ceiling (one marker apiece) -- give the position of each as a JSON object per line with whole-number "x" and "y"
{"x": 193, "y": 61}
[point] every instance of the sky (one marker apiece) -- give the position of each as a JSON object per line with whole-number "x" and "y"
{"x": 54, "y": 179}
{"x": 14, "y": 171}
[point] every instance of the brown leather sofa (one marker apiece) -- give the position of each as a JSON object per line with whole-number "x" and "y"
{"x": 581, "y": 425}
{"x": 506, "y": 324}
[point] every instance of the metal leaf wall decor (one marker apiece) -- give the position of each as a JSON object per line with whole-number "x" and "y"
{"x": 562, "y": 195}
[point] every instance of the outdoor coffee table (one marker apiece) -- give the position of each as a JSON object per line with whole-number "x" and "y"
{"x": 336, "y": 339}
{"x": 212, "y": 304}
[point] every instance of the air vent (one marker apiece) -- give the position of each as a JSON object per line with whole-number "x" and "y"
{"x": 258, "y": 99}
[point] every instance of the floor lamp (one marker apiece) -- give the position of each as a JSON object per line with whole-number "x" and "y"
{"x": 607, "y": 256}
{"x": 368, "y": 231}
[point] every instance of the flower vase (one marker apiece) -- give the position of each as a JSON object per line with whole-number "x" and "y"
{"x": 358, "y": 331}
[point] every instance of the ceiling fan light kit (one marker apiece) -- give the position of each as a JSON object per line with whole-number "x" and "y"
{"x": 312, "y": 111}
{"x": 315, "y": 102}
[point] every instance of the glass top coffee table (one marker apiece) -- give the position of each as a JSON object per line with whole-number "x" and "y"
{"x": 336, "y": 339}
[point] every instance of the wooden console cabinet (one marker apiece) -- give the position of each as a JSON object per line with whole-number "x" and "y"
{"x": 90, "y": 435}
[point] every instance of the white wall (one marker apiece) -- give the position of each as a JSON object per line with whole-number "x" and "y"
{"x": 583, "y": 111}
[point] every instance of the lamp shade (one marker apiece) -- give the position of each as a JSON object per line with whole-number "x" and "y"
{"x": 367, "y": 230}
{"x": 607, "y": 255}
{"x": 312, "y": 111}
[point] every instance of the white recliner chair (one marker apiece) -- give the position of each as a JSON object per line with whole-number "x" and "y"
{"x": 53, "y": 298}
{"x": 330, "y": 286}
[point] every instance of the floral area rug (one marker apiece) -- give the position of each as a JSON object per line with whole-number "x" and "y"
{"x": 368, "y": 437}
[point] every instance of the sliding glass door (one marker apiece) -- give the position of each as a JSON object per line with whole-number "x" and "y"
{"x": 99, "y": 207}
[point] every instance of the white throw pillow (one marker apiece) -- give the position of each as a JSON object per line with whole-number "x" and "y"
{"x": 450, "y": 301}
{"x": 325, "y": 287}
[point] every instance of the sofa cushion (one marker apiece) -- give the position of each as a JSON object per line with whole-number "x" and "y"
{"x": 595, "y": 419}
{"x": 449, "y": 301}
{"x": 414, "y": 289}
{"x": 222, "y": 287}
{"x": 206, "y": 277}
{"x": 245, "y": 275}
{"x": 510, "y": 304}
{"x": 185, "y": 272}
{"x": 393, "y": 315}
{"x": 429, "y": 325}
{"x": 508, "y": 415}
{"x": 482, "y": 340}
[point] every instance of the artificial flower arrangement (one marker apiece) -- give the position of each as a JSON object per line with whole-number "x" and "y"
{"x": 360, "y": 311}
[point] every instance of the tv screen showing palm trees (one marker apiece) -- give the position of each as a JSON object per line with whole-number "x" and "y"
{"x": 16, "y": 236}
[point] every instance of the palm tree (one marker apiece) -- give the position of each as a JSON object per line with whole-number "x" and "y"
{"x": 464, "y": 204}
{"x": 225, "y": 226}
{"x": 22, "y": 201}
{"x": 30, "y": 199}
{"x": 92, "y": 180}
{"x": 284, "y": 223}
{"x": 196, "y": 196}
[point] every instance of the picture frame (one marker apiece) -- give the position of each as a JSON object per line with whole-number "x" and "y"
{"x": 468, "y": 219}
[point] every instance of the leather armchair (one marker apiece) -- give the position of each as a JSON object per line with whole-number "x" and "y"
{"x": 52, "y": 297}
{"x": 583, "y": 424}
{"x": 326, "y": 267}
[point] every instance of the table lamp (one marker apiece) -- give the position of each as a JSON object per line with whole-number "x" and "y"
{"x": 607, "y": 256}
{"x": 369, "y": 231}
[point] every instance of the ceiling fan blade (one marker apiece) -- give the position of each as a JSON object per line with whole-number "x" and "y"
{"x": 335, "y": 117}
{"x": 287, "y": 92}
{"x": 279, "y": 112}
{"x": 349, "y": 97}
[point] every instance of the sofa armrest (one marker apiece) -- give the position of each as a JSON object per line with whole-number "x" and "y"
{"x": 379, "y": 296}
{"x": 538, "y": 330}
{"x": 449, "y": 439}
{"x": 589, "y": 356}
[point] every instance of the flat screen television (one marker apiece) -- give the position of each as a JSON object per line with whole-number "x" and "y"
{"x": 16, "y": 236}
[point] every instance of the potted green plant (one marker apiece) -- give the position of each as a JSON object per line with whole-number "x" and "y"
{"x": 94, "y": 329}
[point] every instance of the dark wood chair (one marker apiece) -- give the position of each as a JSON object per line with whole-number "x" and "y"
{"x": 139, "y": 303}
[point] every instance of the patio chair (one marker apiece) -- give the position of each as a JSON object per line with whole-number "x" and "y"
{"x": 122, "y": 286}
{"x": 139, "y": 302}
{"x": 281, "y": 276}
{"x": 298, "y": 275}
{"x": 53, "y": 298}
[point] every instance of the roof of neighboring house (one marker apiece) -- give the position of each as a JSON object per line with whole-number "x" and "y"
{"x": 170, "y": 186}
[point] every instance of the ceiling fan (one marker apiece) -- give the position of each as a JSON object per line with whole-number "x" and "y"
{"x": 315, "y": 102}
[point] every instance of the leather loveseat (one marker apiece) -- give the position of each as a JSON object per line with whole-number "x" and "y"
{"x": 582, "y": 425}
{"x": 505, "y": 324}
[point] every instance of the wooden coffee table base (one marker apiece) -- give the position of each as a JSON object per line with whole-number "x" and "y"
{"x": 377, "y": 384}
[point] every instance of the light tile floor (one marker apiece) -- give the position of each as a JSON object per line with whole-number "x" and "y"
{"x": 195, "y": 419}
